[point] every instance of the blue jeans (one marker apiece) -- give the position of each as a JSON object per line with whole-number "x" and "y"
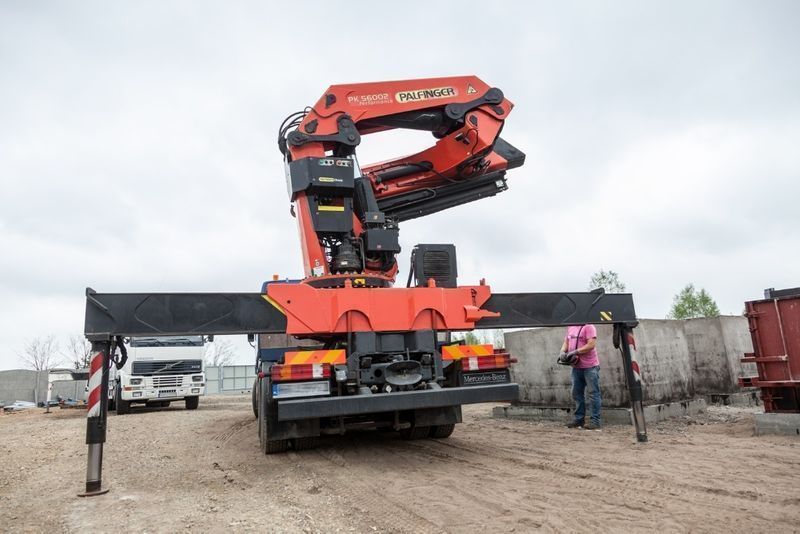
{"x": 581, "y": 377}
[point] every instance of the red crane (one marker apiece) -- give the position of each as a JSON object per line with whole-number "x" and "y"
{"x": 348, "y": 214}
{"x": 383, "y": 356}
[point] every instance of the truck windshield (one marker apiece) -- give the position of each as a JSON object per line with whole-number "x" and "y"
{"x": 167, "y": 341}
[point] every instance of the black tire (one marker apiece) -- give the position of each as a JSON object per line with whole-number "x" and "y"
{"x": 255, "y": 397}
{"x": 275, "y": 446}
{"x": 268, "y": 446}
{"x": 164, "y": 404}
{"x": 123, "y": 407}
{"x": 302, "y": 444}
{"x": 415, "y": 432}
{"x": 442, "y": 431}
{"x": 192, "y": 403}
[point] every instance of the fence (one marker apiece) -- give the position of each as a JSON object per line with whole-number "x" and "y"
{"x": 25, "y": 385}
{"x": 229, "y": 379}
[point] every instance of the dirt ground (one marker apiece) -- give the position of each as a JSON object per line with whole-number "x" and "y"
{"x": 176, "y": 470}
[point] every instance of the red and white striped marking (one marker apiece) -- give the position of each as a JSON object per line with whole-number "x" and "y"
{"x": 634, "y": 362}
{"x": 95, "y": 381}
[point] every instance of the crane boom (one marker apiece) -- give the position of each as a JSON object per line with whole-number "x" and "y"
{"x": 348, "y": 216}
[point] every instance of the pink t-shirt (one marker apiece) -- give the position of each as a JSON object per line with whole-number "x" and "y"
{"x": 577, "y": 337}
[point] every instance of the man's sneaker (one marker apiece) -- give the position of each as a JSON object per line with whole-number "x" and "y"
{"x": 592, "y": 426}
{"x": 575, "y": 424}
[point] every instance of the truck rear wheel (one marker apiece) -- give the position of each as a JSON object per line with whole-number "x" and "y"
{"x": 415, "y": 432}
{"x": 265, "y": 414}
{"x": 192, "y": 403}
{"x": 442, "y": 431}
{"x": 123, "y": 406}
{"x": 255, "y": 397}
{"x": 302, "y": 444}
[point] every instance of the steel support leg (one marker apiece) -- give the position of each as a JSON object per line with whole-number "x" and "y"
{"x": 627, "y": 345}
{"x": 96, "y": 417}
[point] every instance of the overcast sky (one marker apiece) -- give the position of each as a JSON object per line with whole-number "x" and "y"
{"x": 138, "y": 153}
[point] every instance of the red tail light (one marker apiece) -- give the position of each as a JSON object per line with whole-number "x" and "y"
{"x": 478, "y": 363}
{"x": 305, "y": 371}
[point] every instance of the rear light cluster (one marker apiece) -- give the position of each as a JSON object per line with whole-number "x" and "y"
{"x": 306, "y": 371}
{"x": 478, "y": 363}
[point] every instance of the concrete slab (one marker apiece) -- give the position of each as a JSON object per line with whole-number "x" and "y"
{"x": 611, "y": 416}
{"x": 745, "y": 398}
{"x": 784, "y": 424}
{"x": 678, "y": 360}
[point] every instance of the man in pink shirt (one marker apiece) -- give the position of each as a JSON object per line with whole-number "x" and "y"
{"x": 579, "y": 351}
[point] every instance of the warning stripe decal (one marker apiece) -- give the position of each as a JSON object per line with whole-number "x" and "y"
{"x": 95, "y": 381}
{"x": 315, "y": 356}
{"x": 456, "y": 352}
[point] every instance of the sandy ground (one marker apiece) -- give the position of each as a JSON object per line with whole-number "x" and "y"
{"x": 177, "y": 470}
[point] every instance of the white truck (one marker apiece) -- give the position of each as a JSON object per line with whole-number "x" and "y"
{"x": 160, "y": 370}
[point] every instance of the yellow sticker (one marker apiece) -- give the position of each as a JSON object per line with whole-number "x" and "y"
{"x": 606, "y": 316}
{"x": 275, "y": 304}
{"x": 330, "y": 208}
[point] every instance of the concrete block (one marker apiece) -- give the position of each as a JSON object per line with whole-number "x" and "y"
{"x": 660, "y": 412}
{"x": 663, "y": 359}
{"x": 784, "y": 424}
{"x": 532, "y": 413}
{"x": 679, "y": 360}
{"x": 716, "y": 346}
{"x": 744, "y": 398}
{"x": 610, "y": 416}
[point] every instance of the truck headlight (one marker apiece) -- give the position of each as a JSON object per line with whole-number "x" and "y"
{"x": 136, "y": 381}
{"x": 197, "y": 378}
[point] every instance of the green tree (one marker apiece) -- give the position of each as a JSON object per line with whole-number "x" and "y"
{"x": 690, "y": 303}
{"x": 470, "y": 338}
{"x": 608, "y": 280}
{"x": 496, "y": 337}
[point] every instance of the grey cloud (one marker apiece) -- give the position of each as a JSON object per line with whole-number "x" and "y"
{"x": 138, "y": 143}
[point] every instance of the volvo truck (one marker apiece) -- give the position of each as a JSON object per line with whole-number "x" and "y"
{"x": 158, "y": 371}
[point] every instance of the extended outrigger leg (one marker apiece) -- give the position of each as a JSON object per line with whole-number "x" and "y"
{"x": 97, "y": 413}
{"x": 623, "y": 340}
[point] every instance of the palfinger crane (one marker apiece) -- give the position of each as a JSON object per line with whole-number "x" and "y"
{"x": 380, "y": 355}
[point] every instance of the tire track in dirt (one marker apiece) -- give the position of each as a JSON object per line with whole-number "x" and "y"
{"x": 233, "y": 429}
{"x": 630, "y": 489}
{"x": 490, "y": 475}
{"x": 367, "y": 482}
{"x": 412, "y": 480}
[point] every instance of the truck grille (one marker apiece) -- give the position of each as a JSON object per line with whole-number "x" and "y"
{"x": 167, "y": 367}
{"x": 167, "y": 381}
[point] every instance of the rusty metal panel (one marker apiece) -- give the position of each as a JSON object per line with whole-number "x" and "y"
{"x": 775, "y": 331}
